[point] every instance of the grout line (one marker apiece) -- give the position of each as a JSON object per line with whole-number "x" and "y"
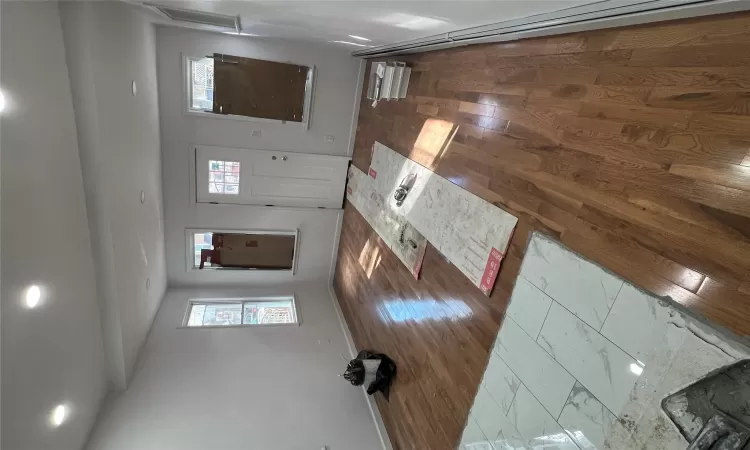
{"x": 542, "y": 348}
{"x": 538, "y": 288}
{"x": 524, "y": 384}
{"x": 557, "y": 420}
{"x": 491, "y": 397}
{"x": 478, "y": 427}
{"x": 531, "y": 283}
{"x": 613, "y": 305}
{"x": 566, "y": 402}
{"x": 542, "y": 404}
{"x": 597, "y": 332}
{"x": 545, "y": 320}
{"x": 514, "y": 395}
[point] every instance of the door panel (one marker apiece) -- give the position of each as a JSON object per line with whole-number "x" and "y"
{"x": 280, "y": 188}
{"x": 260, "y": 177}
{"x": 298, "y": 166}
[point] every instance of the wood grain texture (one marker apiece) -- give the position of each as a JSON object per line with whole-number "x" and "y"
{"x": 258, "y": 88}
{"x": 631, "y": 146}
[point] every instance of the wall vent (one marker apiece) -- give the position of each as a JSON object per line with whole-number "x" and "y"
{"x": 199, "y": 17}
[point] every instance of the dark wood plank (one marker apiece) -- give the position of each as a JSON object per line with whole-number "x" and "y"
{"x": 729, "y": 102}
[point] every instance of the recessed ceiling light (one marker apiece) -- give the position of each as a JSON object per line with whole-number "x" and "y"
{"x": 350, "y": 43}
{"x": 359, "y": 38}
{"x": 2, "y": 101}
{"x": 33, "y": 295}
{"x": 58, "y": 415}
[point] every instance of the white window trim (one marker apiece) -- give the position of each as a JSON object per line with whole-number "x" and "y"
{"x": 266, "y": 298}
{"x": 189, "y": 111}
{"x": 190, "y": 248}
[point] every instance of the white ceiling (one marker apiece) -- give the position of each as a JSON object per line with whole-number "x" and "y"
{"x": 383, "y": 22}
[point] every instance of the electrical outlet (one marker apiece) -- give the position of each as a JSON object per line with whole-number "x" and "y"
{"x": 329, "y": 138}
{"x": 256, "y": 133}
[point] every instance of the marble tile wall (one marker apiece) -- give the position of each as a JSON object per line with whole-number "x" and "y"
{"x": 583, "y": 360}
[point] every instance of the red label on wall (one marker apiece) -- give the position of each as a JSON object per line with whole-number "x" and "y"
{"x": 490, "y": 271}
{"x": 349, "y": 190}
{"x": 373, "y": 174}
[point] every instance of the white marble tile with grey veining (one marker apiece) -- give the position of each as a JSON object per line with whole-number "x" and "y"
{"x": 473, "y": 438}
{"x": 586, "y": 420}
{"x": 583, "y": 379}
{"x": 528, "y": 306}
{"x": 500, "y": 382}
{"x": 638, "y": 322}
{"x": 598, "y": 364}
{"x": 462, "y": 226}
{"x": 494, "y": 423}
{"x": 537, "y": 427}
{"x": 690, "y": 356}
{"x": 544, "y": 376}
{"x": 582, "y": 287}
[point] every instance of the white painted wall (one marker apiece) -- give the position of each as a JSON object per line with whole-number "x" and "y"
{"x": 272, "y": 387}
{"x": 333, "y": 112}
{"x": 53, "y": 353}
{"x": 109, "y": 45}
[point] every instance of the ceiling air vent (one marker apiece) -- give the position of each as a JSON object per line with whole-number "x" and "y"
{"x": 200, "y": 17}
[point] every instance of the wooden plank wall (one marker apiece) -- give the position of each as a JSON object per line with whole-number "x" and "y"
{"x": 630, "y": 146}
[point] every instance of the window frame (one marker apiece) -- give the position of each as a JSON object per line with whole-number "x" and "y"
{"x": 190, "y": 249}
{"x": 241, "y": 300}
{"x": 189, "y": 111}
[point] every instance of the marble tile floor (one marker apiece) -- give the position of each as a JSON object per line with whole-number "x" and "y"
{"x": 583, "y": 360}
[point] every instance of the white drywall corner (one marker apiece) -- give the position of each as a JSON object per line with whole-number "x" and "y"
{"x": 110, "y": 46}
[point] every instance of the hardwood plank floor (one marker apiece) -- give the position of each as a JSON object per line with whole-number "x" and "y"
{"x": 631, "y": 146}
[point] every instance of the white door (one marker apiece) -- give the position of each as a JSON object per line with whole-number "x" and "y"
{"x": 260, "y": 177}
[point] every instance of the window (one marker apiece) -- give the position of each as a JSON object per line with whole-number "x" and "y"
{"x": 241, "y": 312}
{"x": 202, "y": 241}
{"x": 202, "y": 84}
{"x": 260, "y": 250}
{"x": 245, "y": 87}
{"x": 223, "y": 177}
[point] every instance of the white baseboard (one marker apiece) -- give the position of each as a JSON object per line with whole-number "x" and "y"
{"x": 376, "y": 417}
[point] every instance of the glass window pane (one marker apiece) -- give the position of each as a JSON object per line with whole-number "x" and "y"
{"x": 265, "y": 312}
{"x": 223, "y": 314}
{"x": 202, "y": 84}
{"x": 196, "y": 315}
{"x": 201, "y": 241}
{"x": 223, "y": 177}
